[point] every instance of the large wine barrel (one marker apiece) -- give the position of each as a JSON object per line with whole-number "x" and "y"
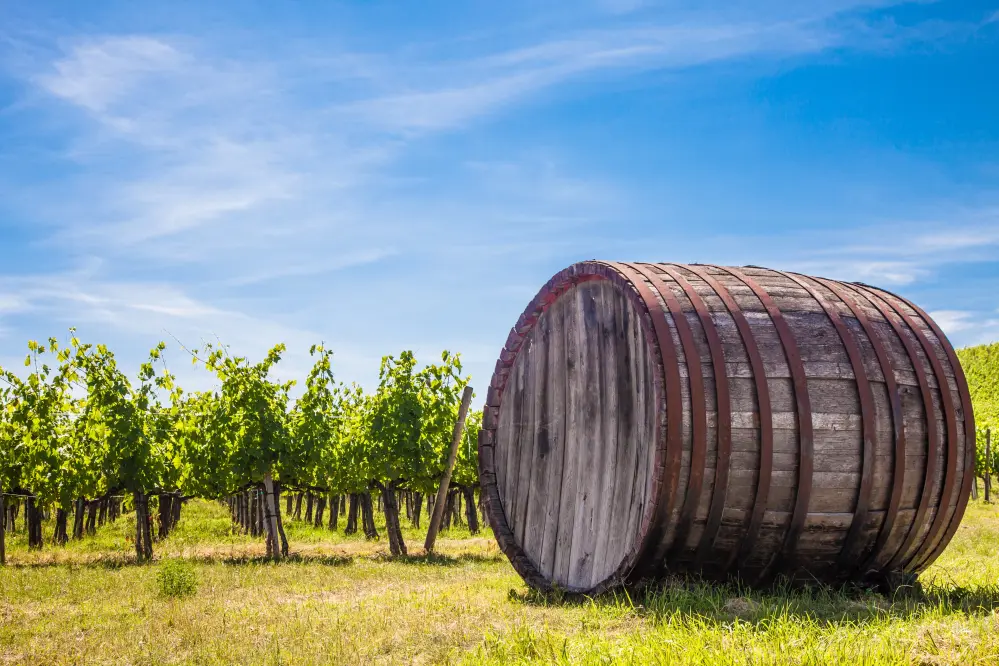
{"x": 646, "y": 419}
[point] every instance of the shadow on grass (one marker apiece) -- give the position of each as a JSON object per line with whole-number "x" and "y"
{"x": 120, "y": 561}
{"x": 441, "y": 560}
{"x": 293, "y": 558}
{"x": 109, "y": 562}
{"x": 695, "y": 599}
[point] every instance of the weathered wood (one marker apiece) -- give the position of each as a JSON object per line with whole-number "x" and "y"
{"x": 459, "y": 429}
{"x": 663, "y": 494}
{"x": 572, "y": 443}
{"x": 270, "y": 519}
{"x": 762, "y": 419}
{"x": 564, "y": 367}
{"x": 525, "y": 443}
{"x": 610, "y": 327}
{"x": 555, "y": 427}
{"x": 646, "y": 418}
{"x": 850, "y": 340}
{"x": 938, "y": 526}
{"x": 804, "y": 424}
{"x": 3, "y": 529}
{"x": 535, "y": 503}
{"x": 720, "y": 436}
{"x": 988, "y": 466}
{"x": 581, "y": 552}
{"x": 695, "y": 387}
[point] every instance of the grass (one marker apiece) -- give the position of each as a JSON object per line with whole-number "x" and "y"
{"x": 343, "y": 600}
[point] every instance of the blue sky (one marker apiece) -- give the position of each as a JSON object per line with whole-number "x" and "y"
{"x": 385, "y": 175}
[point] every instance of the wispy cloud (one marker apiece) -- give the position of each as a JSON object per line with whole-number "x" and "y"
{"x": 493, "y": 82}
{"x": 972, "y": 327}
{"x": 243, "y": 195}
{"x": 98, "y": 75}
{"x": 191, "y": 138}
{"x": 903, "y": 252}
{"x": 954, "y": 321}
{"x": 328, "y": 265}
{"x": 145, "y": 312}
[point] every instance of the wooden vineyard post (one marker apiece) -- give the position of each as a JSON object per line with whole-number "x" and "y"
{"x": 139, "y": 552}
{"x": 3, "y": 528}
{"x": 274, "y": 547}
{"x": 988, "y": 464}
{"x": 459, "y": 428}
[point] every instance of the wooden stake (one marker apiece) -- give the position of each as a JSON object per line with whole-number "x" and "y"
{"x": 988, "y": 464}
{"x": 270, "y": 516}
{"x": 3, "y": 529}
{"x": 139, "y": 552}
{"x": 459, "y": 429}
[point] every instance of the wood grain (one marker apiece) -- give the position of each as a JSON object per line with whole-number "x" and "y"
{"x": 650, "y": 418}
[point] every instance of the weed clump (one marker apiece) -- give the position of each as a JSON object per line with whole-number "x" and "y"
{"x": 177, "y": 578}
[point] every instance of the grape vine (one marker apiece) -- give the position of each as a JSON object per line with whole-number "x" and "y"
{"x": 78, "y": 435}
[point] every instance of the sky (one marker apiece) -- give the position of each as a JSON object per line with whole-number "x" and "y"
{"x": 380, "y": 176}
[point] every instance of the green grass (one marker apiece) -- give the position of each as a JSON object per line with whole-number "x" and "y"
{"x": 342, "y": 600}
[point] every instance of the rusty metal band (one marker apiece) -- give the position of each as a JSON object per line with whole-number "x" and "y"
{"x": 698, "y": 409}
{"x": 886, "y": 309}
{"x": 897, "y": 420}
{"x": 969, "y": 434}
{"x": 868, "y": 422}
{"x": 739, "y": 555}
{"x": 652, "y": 548}
{"x": 950, "y": 418}
{"x": 723, "y": 404}
{"x": 803, "y": 406}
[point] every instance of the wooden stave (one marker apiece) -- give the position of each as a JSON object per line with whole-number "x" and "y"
{"x": 629, "y": 572}
{"x": 558, "y": 285}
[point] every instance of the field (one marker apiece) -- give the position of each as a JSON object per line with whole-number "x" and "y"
{"x": 342, "y": 600}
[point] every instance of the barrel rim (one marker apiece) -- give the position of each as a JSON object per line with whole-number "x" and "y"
{"x": 556, "y": 287}
{"x": 942, "y": 530}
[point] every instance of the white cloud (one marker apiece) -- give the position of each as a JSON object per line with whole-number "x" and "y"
{"x": 133, "y": 316}
{"x": 192, "y": 139}
{"x": 954, "y": 321}
{"x": 870, "y": 271}
{"x": 901, "y": 252}
{"x": 327, "y": 265}
{"x": 968, "y": 327}
{"x": 495, "y": 81}
{"x": 208, "y": 178}
{"x": 959, "y": 238}
{"x": 10, "y": 303}
{"x": 98, "y": 74}
{"x": 178, "y": 135}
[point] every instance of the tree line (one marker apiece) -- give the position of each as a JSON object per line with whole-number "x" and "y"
{"x": 981, "y": 368}
{"x": 78, "y": 436}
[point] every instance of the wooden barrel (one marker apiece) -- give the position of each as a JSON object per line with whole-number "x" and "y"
{"x": 648, "y": 419}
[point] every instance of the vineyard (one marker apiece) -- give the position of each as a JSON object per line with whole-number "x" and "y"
{"x": 80, "y": 443}
{"x": 981, "y": 366}
{"x": 91, "y": 457}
